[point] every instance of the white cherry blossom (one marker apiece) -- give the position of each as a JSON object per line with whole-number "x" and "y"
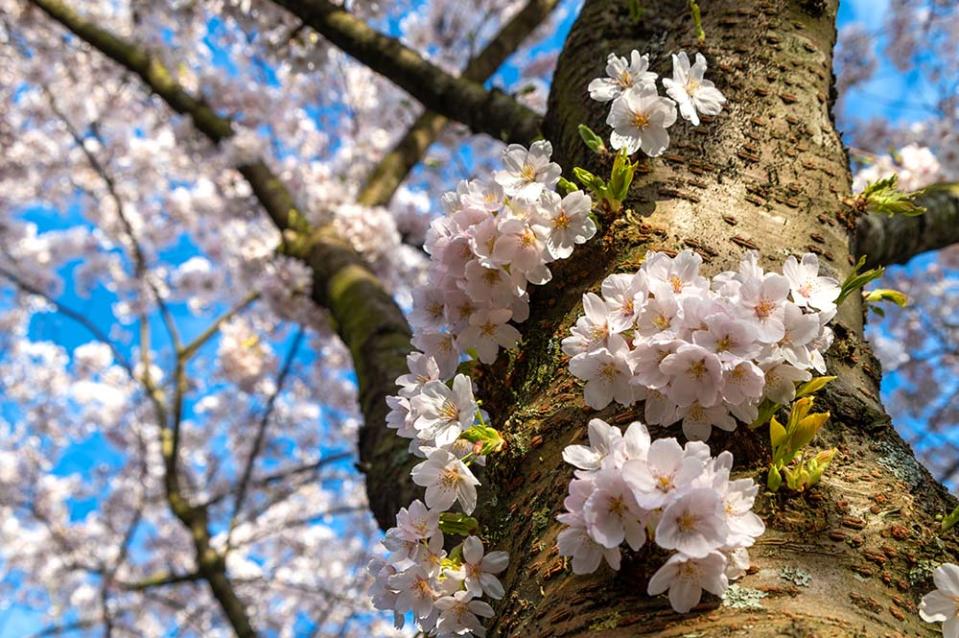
{"x": 480, "y": 569}
{"x": 622, "y": 75}
{"x": 639, "y": 118}
{"x": 686, "y": 578}
{"x": 444, "y": 412}
{"x": 692, "y": 92}
{"x": 942, "y": 604}
{"x": 447, "y": 480}
{"x": 528, "y": 171}
{"x": 808, "y": 287}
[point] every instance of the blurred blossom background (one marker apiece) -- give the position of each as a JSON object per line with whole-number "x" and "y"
{"x": 140, "y": 284}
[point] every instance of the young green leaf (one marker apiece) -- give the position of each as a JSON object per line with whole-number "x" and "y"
{"x": 885, "y": 294}
{"x": 489, "y": 438}
{"x": 593, "y": 141}
{"x": 950, "y": 520}
{"x": 621, "y": 177}
{"x": 774, "y": 479}
{"x": 697, "y": 20}
{"x": 590, "y": 181}
{"x": 884, "y": 197}
{"x": 566, "y": 186}
{"x": 813, "y": 386}
{"x": 458, "y": 524}
{"x": 857, "y": 280}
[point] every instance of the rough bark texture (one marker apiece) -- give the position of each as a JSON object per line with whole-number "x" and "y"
{"x": 769, "y": 173}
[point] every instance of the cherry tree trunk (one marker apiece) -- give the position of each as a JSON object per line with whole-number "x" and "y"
{"x": 850, "y": 557}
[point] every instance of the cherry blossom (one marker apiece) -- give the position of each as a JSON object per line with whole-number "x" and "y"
{"x": 686, "y": 578}
{"x": 460, "y": 613}
{"x": 703, "y": 351}
{"x": 528, "y": 172}
{"x": 443, "y": 412}
{"x": 567, "y": 222}
{"x": 807, "y": 286}
{"x": 691, "y": 91}
{"x": 607, "y": 374}
{"x": 639, "y": 118}
{"x": 628, "y": 489}
{"x": 694, "y": 524}
{"x": 496, "y": 239}
{"x": 480, "y": 569}
{"x": 622, "y": 75}
{"x": 447, "y": 480}
{"x": 942, "y": 604}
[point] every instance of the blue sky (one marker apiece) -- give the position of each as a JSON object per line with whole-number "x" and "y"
{"x": 868, "y": 100}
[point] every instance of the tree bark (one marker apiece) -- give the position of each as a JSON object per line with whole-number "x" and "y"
{"x": 770, "y": 174}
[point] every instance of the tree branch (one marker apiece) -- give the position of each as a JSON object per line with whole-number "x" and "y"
{"x": 160, "y": 580}
{"x": 390, "y": 172}
{"x": 260, "y": 437}
{"x": 190, "y": 349}
{"x": 896, "y": 240}
{"x": 75, "y": 315}
{"x": 462, "y": 99}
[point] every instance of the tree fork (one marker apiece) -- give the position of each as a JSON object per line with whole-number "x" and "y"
{"x": 849, "y": 558}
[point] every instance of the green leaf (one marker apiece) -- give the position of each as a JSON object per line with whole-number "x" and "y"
{"x": 777, "y": 433}
{"x": 766, "y": 410}
{"x": 884, "y": 197}
{"x": 590, "y": 181}
{"x": 621, "y": 177}
{"x": 458, "y": 524}
{"x": 635, "y": 11}
{"x": 813, "y": 386}
{"x": 593, "y": 141}
{"x": 857, "y": 280}
{"x": 885, "y": 294}
{"x": 806, "y": 430}
{"x": 774, "y": 479}
{"x": 697, "y": 20}
{"x": 950, "y": 520}
{"x": 490, "y": 438}
{"x": 566, "y": 185}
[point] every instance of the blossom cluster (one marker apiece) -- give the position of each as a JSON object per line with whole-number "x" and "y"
{"x": 704, "y": 351}
{"x": 497, "y": 237}
{"x": 639, "y": 115}
{"x": 942, "y": 604}
{"x": 442, "y": 591}
{"x": 631, "y": 489}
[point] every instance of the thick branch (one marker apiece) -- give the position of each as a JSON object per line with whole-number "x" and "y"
{"x": 897, "y": 239}
{"x": 160, "y": 580}
{"x": 260, "y": 437}
{"x": 396, "y": 165}
{"x": 461, "y": 99}
{"x": 367, "y": 318}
